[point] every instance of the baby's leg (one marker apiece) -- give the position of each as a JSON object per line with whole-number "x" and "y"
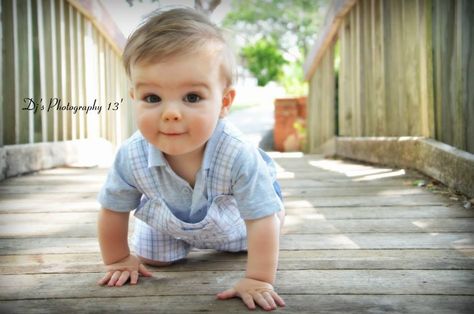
{"x": 281, "y": 215}
{"x": 156, "y": 248}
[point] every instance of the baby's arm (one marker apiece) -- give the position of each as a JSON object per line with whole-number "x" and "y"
{"x": 113, "y": 240}
{"x": 263, "y": 246}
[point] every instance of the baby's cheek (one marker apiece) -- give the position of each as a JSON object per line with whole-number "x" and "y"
{"x": 204, "y": 128}
{"x": 146, "y": 123}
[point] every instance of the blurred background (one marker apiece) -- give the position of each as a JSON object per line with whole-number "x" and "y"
{"x": 313, "y": 76}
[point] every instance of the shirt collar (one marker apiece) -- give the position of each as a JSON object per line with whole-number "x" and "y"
{"x": 212, "y": 143}
{"x": 156, "y": 158}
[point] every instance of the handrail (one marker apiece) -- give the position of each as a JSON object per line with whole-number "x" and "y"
{"x": 101, "y": 19}
{"x": 333, "y": 21}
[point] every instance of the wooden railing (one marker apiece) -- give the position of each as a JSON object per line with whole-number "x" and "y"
{"x": 394, "y": 68}
{"x": 61, "y": 65}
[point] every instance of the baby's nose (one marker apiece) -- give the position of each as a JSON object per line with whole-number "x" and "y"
{"x": 171, "y": 113}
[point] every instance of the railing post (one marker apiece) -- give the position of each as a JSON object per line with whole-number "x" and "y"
{"x": 1, "y": 73}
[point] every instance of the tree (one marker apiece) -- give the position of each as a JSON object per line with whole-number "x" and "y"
{"x": 291, "y": 24}
{"x": 264, "y": 61}
{"x": 206, "y": 6}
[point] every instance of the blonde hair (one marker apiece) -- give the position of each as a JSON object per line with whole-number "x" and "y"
{"x": 177, "y": 32}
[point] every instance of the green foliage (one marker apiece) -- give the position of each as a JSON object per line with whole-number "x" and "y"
{"x": 288, "y": 22}
{"x": 264, "y": 61}
{"x": 290, "y": 25}
{"x": 292, "y": 79}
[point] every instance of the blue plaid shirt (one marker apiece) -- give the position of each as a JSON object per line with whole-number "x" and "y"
{"x": 253, "y": 186}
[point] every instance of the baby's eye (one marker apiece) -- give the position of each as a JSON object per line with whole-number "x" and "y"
{"x": 192, "y": 98}
{"x": 152, "y": 98}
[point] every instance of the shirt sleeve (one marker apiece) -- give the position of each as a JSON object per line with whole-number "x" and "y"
{"x": 119, "y": 193}
{"x": 252, "y": 185}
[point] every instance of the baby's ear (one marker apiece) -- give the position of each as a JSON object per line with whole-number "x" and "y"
{"x": 227, "y": 100}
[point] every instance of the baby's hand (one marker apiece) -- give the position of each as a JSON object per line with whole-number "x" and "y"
{"x": 251, "y": 291}
{"x": 119, "y": 272}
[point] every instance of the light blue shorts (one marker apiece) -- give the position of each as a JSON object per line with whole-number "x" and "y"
{"x": 160, "y": 236}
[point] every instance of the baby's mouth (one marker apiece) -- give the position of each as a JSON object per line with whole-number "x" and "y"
{"x": 172, "y": 133}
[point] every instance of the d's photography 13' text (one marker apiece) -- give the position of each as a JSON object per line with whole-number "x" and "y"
{"x": 58, "y": 105}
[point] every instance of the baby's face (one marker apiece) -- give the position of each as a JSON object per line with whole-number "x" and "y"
{"x": 178, "y": 102}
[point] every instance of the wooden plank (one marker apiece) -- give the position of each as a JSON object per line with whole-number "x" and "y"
{"x": 15, "y": 246}
{"x": 89, "y": 204}
{"x": 403, "y": 184}
{"x": 452, "y": 28}
{"x": 378, "y": 67}
{"x": 289, "y": 202}
{"x": 16, "y": 72}
{"x": 1, "y": 74}
{"x": 54, "y": 129}
{"x": 65, "y": 225}
{"x": 384, "y": 175}
{"x": 209, "y": 260}
{"x": 295, "y": 303}
{"x": 36, "y": 66}
{"x": 458, "y": 67}
{"x": 378, "y": 241}
{"x": 74, "y": 68}
{"x": 410, "y": 58}
{"x": 45, "y": 190}
{"x": 31, "y": 63}
{"x": 43, "y": 55}
{"x": 382, "y": 212}
{"x": 343, "y": 80}
{"x": 468, "y": 79}
{"x": 80, "y": 116}
{"x": 304, "y": 224}
{"x": 359, "y": 201}
{"x": 355, "y": 67}
{"x": 102, "y": 86}
{"x": 22, "y": 73}
{"x": 45, "y": 206}
{"x": 353, "y": 190}
{"x": 414, "y": 282}
{"x": 63, "y": 65}
{"x": 426, "y": 69}
{"x": 364, "y": 79}
{"x": 8, "y": 104}
{"x": 49, "y": 36}
{"x": 468, "y": 54}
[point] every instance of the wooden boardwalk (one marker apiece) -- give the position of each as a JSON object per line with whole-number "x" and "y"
{"x": 358, "y": 239}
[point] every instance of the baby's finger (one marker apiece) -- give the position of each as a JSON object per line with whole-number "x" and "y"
{"x": 260, "y": 300}
{"x": 227, "y": 294}
{"x": 105, "y": 279}
{"x": 248, "y": 300}
{"x": 277, "y": 298}
{"x": 123, "y": 279}
{"x": 134, "y": 277}
{"x": 145, "y": 272}
{"x": 269, "y": 299}
{"x": 114, "y": 278}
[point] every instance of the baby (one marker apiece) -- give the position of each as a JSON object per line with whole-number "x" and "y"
{"x": 192, "y": 180}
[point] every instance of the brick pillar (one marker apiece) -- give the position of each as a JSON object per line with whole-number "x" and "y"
{"x": 287, "y": 112}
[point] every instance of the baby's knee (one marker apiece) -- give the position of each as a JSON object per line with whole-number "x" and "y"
{"x": 153, "y": 262}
